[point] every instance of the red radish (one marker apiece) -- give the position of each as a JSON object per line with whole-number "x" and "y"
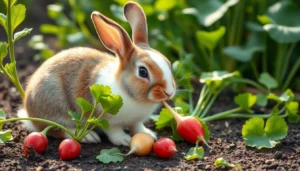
{"x": 36, "y": 140}
{"x": 188, "y": 127}
{"x": 164, "y": 148}
{"x": 141, "y": 144}
{"x": 69, "y": 149}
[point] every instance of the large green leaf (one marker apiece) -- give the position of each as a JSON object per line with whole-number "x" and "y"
{"x": 98, "y": 91}
{"x": 286, "y": 26}
{"x": 245, "y": 53}
{"x": 256, "y": 135}
{"x": 208, "y": 11}
{"x": 17, "y": 15}
{"x": 210, "y": 39}
{"x": 165, "y": 119}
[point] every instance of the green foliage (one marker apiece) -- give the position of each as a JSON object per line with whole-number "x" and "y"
{"x": 18, "y": 15}
{"x": 195, "y": 153}
{"x": 222, "y": 162}
{"x": 110, "y": 155}
{"x": 5, "y": 136}
{"x": 210, "y": 39}
{"x": 267, "y": 80}
{"x": 20, "y": 34}
{"x": 84, "y": 105}
{"x": 103, "y": 123}
{"x": 256, "y": 134}
{"x": 245, "y": 100}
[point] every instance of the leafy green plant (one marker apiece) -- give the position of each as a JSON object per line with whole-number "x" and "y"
{"x": 113, "y": 155}
{"x": 256, "y": 135}
{"x": 110, "y": 103}
{"x": 14, "y": 17}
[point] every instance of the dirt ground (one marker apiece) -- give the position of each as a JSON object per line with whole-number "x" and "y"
{"x": 226, "y": 140}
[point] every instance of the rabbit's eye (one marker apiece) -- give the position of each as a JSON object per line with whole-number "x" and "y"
{"x": 143, "y": 72}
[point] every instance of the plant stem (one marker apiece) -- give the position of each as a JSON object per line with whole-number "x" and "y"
{"x": 39, "y": 120}
{"x": 47, "y": 129}
{"x": 208, "y": 106}
{"x": 286, "y": 61}
{"x": 222, "y": 114}
{"x": 254, "y": 68}
{"x": 264, "y": 58}
{"x": 15, "y": 77}
{"x": 199, "y": 103}
{"x": 253, "y": 83}
{"x": 242, "y": 115}
{"x": 83, "y": 132}
{"x": 280, "y": 52}
{"x": 291, "y": 74}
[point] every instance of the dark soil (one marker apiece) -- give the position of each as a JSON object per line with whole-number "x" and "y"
{"x": 226, "y": 141}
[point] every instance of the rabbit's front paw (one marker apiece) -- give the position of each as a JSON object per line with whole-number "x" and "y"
{"x": 120, "y": 139}
{"x": 141, "y": 128}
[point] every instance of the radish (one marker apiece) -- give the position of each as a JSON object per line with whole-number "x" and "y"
{"x": 69, "y": 149}
{"x": 164, "y": 148}
{"x": 188, "y": 127}
{"x": 36, "y": 140}
{"x": 141, "y": 144}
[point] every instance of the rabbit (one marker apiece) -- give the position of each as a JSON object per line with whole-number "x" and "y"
{"x": 141, "y": 75}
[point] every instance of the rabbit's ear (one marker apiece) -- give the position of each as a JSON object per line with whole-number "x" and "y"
{"x": 137, "y": 20}
{"x": 112, "y": 35}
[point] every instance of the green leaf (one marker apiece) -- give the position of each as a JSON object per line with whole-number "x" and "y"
{"x": 54, "y": 10}
{"x": 110, "y": 155}
{"x": 205, "y": 127}
{"x": 286, "y": 96}
{"x": 264, "y": 19}
{"x": 20, "y": 34}
{"x": 210, "y": 39}
{"x": 222, "y": 162}
{"x": 12, "y": 2}
{"x": 286, "y": 25}
{"x": 255, "y": 135}
{"x": 49, "y": 29}
{"x": 103, "y": 123}
{"x": 165, "y": 119}
{"x": 267, "y": 80}
{"x": 195, "y": 153}
{"x": 208, "y": 11}
{"x": 245, "y": 100}
{"x": 111, "y": 104}
{"x": 17, "y": 15}
{"x": 3, "y": 21}
{"x": 5, "y": 136}
{"x": 3, "y": 51}
{"x": 216, "y": 79}
{"x": 165, "y": 5}
{"x": 84, "y": 105}
{"x": 98, "y": 91}
{"x": 75, "y": 116}
{"x": 245, "y": 53}
{"x": 10, "y": 68}
{"x": 2, "y": 117}
{"x": 261, "y": 100}
{"x": 292, "y": 108}
{"x": 175, "y": 134}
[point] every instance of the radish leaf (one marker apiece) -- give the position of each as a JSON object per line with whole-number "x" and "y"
{"x": 292, "y": 110}
{"x": 195, "y": 153}
{"x": 267, "y": 80}
{"x": 84, "y": 105}
{"x": 245, "y": 100}
{"x": 5, "y": 136}
{"x": 164, "y": 120}
{"x": 256, "y": 135}
{"x": 205, "y": 127}
{"x": 110, "y": 155}
{"x": 222, "y": 162}
{"x": 99, "y": 91}
{"x": 111, "y": 104}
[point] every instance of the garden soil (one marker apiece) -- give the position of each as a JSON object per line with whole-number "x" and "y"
{"x": 226, "y": 140}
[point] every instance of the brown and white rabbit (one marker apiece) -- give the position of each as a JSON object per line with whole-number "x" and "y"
{"x": 140, "y": 75}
